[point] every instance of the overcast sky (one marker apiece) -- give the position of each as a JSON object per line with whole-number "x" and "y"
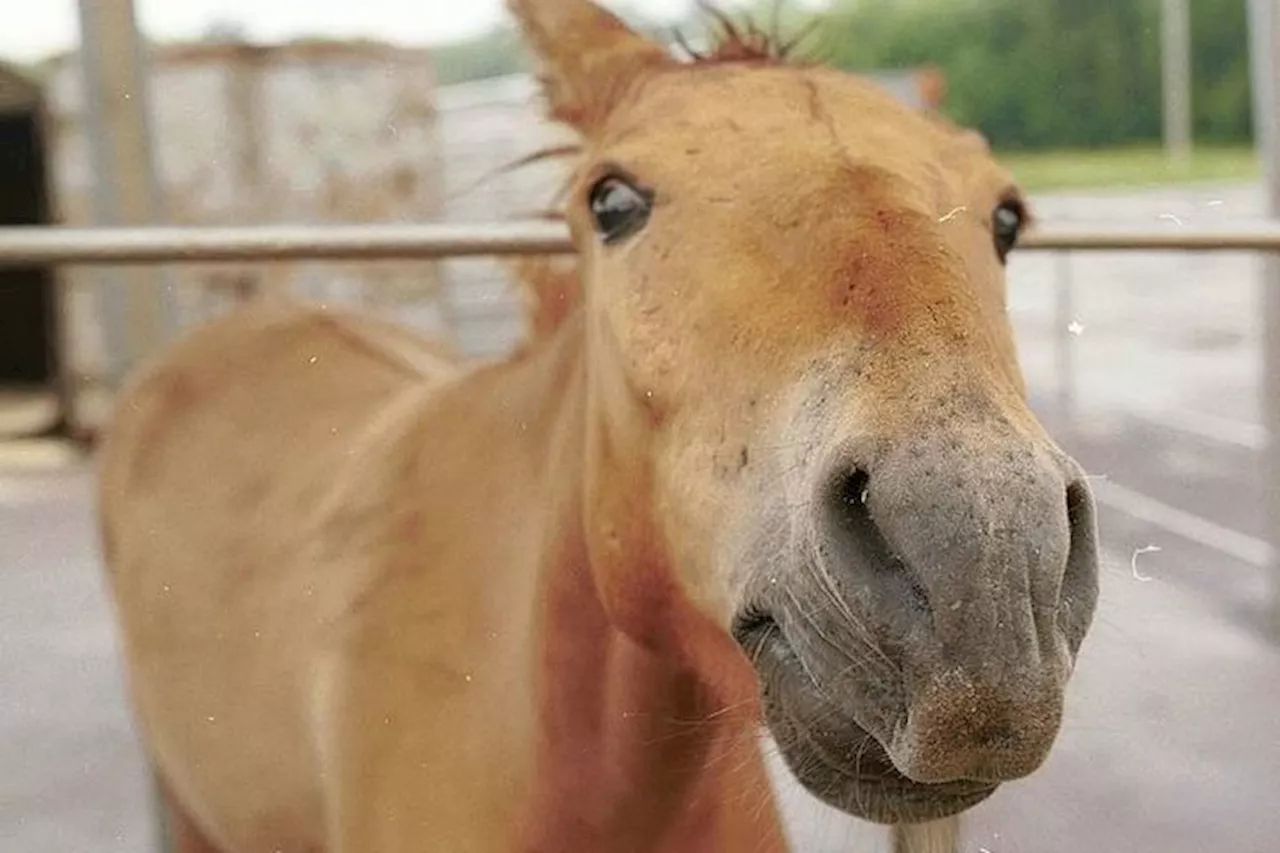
{"x": 35, "y": 28}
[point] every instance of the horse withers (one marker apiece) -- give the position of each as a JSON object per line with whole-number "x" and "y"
{"x": 771, "y": 468}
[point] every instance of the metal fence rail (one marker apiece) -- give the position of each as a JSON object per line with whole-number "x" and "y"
{"x": 25, "y": 246}
{"x": 44, "y": 245}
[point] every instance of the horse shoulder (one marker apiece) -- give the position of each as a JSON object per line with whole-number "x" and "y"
{"x": 417, "y": 728}
{"x": 216, "y": 470}
{"x": 423, "y": 687}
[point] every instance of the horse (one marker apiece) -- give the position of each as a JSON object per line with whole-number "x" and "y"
{"x": 770, "y": 480}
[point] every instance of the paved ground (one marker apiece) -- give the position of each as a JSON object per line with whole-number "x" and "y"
{"x": 1171, "y": 745}
{"x": 71, "y": 778}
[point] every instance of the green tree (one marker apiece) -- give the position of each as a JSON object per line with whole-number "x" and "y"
{"x": 492, "y": 54}
{"x": 1222, "y": 97}
{"x": 1052, "y": 73}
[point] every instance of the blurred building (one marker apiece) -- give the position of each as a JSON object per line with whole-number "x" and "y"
{"x": 29, "y": 356}
{"x": 486, "y": 129}
{"x": 296, "y": 133}
{"x": 303, "y": 132}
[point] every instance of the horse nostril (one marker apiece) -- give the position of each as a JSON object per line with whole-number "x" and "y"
{"x": 860, "y": 545}
{"x": 1079, "y": 505}
{"x": 855, "y": 489}
{"x": 1079, "y": 592}
{"x": 848, "y": 505}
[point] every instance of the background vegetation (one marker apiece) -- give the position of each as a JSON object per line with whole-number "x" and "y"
{"x": 1054, "y": 73}
{"x": 1031, "y": 74}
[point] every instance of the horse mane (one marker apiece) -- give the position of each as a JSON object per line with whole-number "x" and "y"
{"x": 551, "y": 287}
{"x": 745, "y": 42}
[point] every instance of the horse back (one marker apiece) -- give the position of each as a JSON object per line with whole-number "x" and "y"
{"x": 219, "y": 460}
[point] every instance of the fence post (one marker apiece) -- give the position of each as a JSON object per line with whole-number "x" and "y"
{"x": 1264, "y": 28}
{"x": 113, "y": 75}
{"x": 1063, "y": 335}
{"x": 1175, "y": 49}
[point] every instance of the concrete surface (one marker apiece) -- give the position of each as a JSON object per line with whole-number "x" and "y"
{"x": 1171, "y": 745}
{"x": 71, "y": 776}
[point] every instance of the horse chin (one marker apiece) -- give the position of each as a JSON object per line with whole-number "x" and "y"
{"x": 838, "y": 761}
{"x": 869, "y": 787}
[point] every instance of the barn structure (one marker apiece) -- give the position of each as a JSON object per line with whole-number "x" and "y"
{"x": 29, "y": 317}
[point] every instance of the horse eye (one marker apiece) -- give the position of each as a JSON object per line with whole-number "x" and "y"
{"x": 619, "y": 208}
{"x": 1006, "y": 224}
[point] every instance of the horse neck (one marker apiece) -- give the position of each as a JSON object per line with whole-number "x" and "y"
{"x": 634, "y": 751}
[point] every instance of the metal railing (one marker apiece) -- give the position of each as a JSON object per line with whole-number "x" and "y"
{"x": 25, "y": 246}
{"x": 44, "y": 245}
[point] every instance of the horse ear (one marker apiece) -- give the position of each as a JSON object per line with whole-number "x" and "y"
{"x": 587, "y": 56}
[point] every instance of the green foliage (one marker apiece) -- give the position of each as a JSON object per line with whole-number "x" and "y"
{"x": 1031, "y": 74}
{"x": 1139, "y": 166}
{"x": 1052, "y": 73}
{"x": 493, "y": 54}
{"x": 1220, "y": 68}
{"x": 225, "y": 31}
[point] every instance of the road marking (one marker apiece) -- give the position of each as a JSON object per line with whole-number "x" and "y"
{"x": 1243, "y": 547}
{"x": 1242, "y": 434}
{"x": 1222, "y": 430}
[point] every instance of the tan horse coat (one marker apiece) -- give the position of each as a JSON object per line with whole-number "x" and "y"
{"x": 372, "y": 602}
{"x": 306, "y": 620}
